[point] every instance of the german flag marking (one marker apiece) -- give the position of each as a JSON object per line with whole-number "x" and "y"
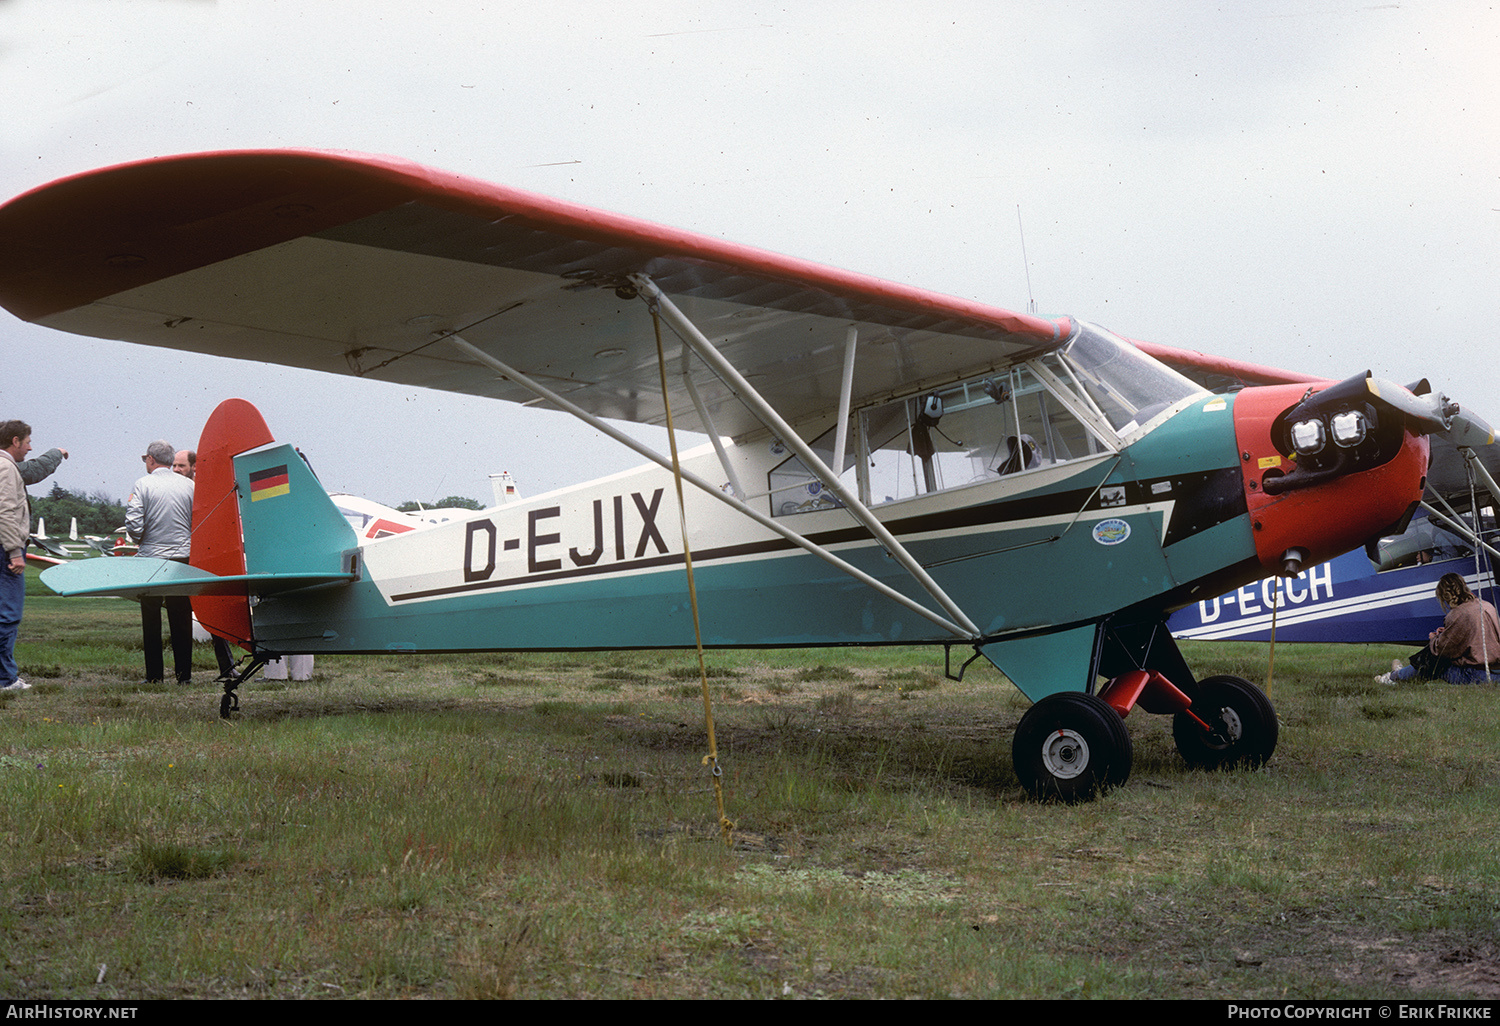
{"x": 267, "y": 484}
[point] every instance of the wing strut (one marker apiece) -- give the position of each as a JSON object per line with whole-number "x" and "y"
{"x": 710, "y": 427}
{"x": 970, "y": 633}
{"x": 846, "y": 389}
{"x": 700, "y": 344}
{"x": 1483, "y": 474}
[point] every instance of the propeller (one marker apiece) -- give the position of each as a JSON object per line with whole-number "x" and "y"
{"x": 1431, "y": 412}
{"x": 1339, "y": 430}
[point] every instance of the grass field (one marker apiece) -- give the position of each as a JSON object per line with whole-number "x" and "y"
{"x": 540, "y": 826}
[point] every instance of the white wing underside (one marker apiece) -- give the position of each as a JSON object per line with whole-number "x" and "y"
{"x": 298, "y": 270}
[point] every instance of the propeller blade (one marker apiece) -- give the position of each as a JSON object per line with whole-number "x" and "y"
{"x": 1432, "y": 410}
{"x": 1469, "y": 431}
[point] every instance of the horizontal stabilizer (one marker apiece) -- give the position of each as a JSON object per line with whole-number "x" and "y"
{"x": 139, "y": 575}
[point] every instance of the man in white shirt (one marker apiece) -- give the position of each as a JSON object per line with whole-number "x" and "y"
{"x": 159, "y": 518}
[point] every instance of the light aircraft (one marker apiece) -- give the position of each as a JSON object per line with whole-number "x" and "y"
{"x": 885, "y": 465}
{"x": 371, "y": 519}
{"x": 1379, "y": 594}
{"x": 53, "y": 558}
{"x": 116, "y": 545}
{"x": 49, "y": 545}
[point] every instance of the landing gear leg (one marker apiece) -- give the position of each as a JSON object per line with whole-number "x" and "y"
{"x": 1071, "y": 747}
{"x": 229, "y": 702}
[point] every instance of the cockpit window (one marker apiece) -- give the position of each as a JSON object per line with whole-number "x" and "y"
{"x": 1006, "y": 423}
{"x": 1067, "y": 405}
{"x": 1422, "y": 542}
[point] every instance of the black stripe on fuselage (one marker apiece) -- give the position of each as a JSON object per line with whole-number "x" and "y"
{"x": 1201, "y": 500}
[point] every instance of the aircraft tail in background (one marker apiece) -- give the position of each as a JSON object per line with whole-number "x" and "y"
{"x": 504, "y": 487}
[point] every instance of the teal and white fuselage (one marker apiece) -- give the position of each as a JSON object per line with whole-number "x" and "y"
{"x": 601, "y": 565}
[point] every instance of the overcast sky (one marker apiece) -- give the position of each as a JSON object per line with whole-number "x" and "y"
{"x": 1311, "y": 184}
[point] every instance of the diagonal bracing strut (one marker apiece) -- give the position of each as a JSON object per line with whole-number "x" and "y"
{"x": 768, "y": 416}
{"x": 968, "y": 631}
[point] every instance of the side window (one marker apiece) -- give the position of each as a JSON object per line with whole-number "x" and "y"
{"x": 1047, "y": 425}
{"x": 1421, "y": 542}
{"x": 795, "y": 489}
{"x": 991, "y": 427}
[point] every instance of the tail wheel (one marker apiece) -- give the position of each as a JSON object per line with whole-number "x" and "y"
{"x": 1071, "y": 747}
{"x": 1242, "y": 721}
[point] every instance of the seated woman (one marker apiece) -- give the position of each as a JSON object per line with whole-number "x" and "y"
{"x": 1458, "y": 650}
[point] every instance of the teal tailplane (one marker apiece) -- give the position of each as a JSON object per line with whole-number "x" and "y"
{"x": 295, "y": 538}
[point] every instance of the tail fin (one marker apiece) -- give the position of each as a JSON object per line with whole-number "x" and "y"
{"x": 504, "y": 487}
{"x": 234, "y": 427}
{"x": 262, "y": 525}
{"x": 290, "y": 524}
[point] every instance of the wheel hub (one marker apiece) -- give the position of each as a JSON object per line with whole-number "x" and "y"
{"x": 1228, "y": 729}
{"x": 1065, "y": 754}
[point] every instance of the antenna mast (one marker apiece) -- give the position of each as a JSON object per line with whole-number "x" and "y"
{"x": 1030, "y": 299}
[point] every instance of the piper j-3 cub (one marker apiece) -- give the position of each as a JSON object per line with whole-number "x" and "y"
{"x": 885, "y": 465}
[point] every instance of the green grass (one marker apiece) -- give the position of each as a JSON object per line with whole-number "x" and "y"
{"x": 535, "y": 826}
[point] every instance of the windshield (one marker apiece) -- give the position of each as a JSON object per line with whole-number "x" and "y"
{"x": 1127, "y": 386}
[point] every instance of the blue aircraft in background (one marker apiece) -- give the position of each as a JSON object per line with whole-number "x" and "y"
{"x": 1384, "y": 596}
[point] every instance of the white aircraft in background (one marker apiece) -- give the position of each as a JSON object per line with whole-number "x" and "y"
{"x": 371, "y": 519}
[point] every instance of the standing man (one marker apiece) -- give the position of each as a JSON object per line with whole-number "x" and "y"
{"x": 185, "y": 463}
{"x": 159, "y": 518}
{"x": 15, "y": 532}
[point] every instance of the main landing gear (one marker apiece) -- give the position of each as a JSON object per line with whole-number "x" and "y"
{"x": 1242, "y": 726}
{"x": 1070, "y": 747}
{"x": 1073, "y": 746}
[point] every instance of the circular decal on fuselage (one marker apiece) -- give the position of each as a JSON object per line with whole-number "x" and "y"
{"x": 1111, "y": 532}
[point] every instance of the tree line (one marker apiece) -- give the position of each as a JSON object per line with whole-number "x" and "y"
{"x": 451, "y": 502}
{"x": 96, "y": 513}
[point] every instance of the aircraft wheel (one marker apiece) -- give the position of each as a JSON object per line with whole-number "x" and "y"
{"x": 1071, "y": 747}
{"x": 1244, "y": 723}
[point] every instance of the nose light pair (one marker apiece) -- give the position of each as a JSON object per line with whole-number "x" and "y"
{"x": 1310, "y": 436}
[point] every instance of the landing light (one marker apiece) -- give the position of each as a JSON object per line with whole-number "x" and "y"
{"x": 1349, "y": 428}
{"x": 1308, "y": 437}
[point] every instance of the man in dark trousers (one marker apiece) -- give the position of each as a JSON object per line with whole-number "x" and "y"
{"x": 16, "y": 472}
{"x": 159, "y": 518}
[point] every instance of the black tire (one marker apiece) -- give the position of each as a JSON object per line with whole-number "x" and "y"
{"x": 1244, "y": 723}
{"x": 1071, "y": 747}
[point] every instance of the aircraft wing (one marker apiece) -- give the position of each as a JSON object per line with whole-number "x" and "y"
{"x": 360, "y": 265}
{"x": 1220, "y": 373}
